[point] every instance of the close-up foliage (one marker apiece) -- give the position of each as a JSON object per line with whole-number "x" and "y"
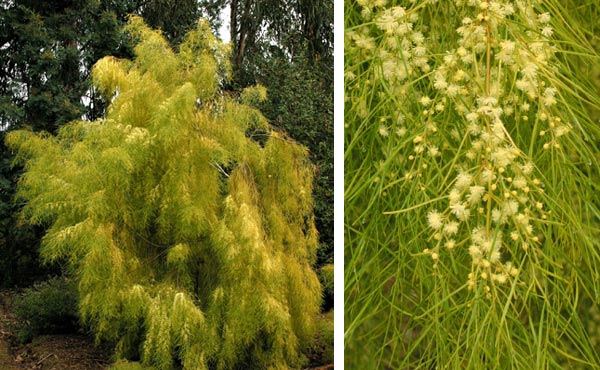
{"x": 471, "y": 184}
{"x": 192, "y": 242}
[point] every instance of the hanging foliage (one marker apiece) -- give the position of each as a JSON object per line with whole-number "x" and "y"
{"x": 192, "y": 242}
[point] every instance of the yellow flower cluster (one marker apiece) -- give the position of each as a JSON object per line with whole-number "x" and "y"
{"x": 494, "y": 192}
{"x": 398, "y": 49}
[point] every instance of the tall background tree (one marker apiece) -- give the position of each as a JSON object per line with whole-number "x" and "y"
{"x": 47, "y": 51}
{"x": 173, "y": 18}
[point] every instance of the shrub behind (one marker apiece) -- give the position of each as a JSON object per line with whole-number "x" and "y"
{"x": 49, "y": 307}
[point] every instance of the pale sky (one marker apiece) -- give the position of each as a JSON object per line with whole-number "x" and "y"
{"x": 224, "y": 30}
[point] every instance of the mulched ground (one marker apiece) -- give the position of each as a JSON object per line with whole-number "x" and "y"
{"x": 61, "y": 352}
{"x": 48, "y": 352}
{"x": 52, "y": 352}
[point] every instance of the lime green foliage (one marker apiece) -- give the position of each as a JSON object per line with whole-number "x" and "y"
{"x": 193, "y": 244}
{"x": 471, "y": 185}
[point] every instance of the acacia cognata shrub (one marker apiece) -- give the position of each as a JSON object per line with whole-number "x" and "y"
{"x": 471, "y": 186}
{"x": 192, "y": 242}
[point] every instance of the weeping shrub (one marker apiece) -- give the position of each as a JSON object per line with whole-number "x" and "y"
{"x": 191, "y": 241}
